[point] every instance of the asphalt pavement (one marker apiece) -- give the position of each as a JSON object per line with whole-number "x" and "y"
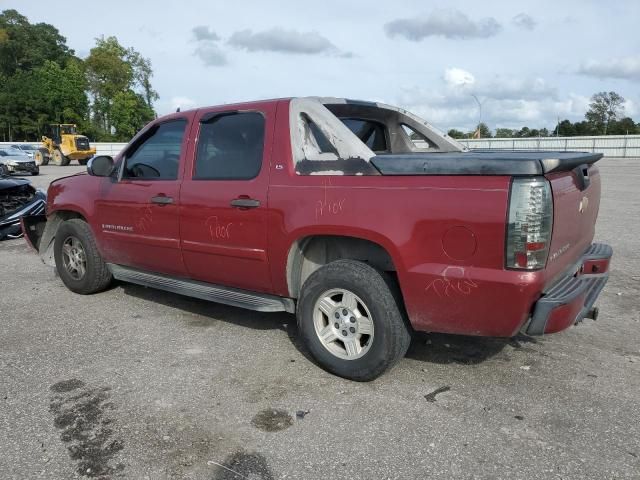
{"x": 141, "y": 384}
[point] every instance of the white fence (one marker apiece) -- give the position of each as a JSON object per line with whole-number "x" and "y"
{"x": 101, "y": 148}
{"x": 610, "y": 146}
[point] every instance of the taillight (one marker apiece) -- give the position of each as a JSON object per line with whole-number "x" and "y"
{"x": 530, "y": 220}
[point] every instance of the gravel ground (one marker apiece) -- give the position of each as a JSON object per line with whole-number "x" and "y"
{"x": 136, "y": 383}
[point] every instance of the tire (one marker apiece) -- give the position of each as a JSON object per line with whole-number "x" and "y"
{"x": 60, "y": 159}
{"x": 96, "y": 276}
{"x": 376, "y": 307}
{"x": 35, "y": 173}
{"x": 41, "y": 156}
{"x": 83, "y": 162}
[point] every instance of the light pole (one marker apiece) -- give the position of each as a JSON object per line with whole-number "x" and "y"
{"x": 479, "y": 111}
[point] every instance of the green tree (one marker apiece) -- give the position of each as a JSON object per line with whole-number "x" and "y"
{"x": 604, "y": 108}
{"x": 453, "y": 133}
{"x": 483, "y": 130}
{"x": 584, "y": 128}
{"x": 113, "y": 74}
{"x": 130, "y": 112}
{"x": 24, "y": 46}
{"x": 504, "y": 133}
{"x": 564, "y": 129}
{"x": 624, "y": 126}
{"x": 142, "y": 73}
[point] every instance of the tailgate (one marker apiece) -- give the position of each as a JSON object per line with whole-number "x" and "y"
{"x": 576, "y": 199}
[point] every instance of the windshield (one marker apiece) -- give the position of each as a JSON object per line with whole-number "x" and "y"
{"x": 68, "y": 129}
{"x": 11, "y": 151}
{"x": 28, "y": 148}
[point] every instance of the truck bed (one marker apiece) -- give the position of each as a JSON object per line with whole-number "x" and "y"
{"x": 482, "y": 162}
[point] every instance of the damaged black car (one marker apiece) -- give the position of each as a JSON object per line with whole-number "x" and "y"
{"x": 17, "y": 199}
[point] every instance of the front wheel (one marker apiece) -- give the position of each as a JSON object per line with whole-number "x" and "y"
{"x": 351, "y": 320}
{"x": 78, "y": 261}
{"x": 60, "y": 159}
{"x": 41, "y": 156}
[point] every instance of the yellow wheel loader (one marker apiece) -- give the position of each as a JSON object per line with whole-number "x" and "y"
{"x": 61, "y": 144}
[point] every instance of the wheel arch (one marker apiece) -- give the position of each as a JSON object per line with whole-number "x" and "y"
{"x": 54, "y": 220}
{"x": 310, "y": 252}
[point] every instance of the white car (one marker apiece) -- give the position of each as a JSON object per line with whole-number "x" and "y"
{"x": 13, "y": 160}
{"x": 26, "y": 148}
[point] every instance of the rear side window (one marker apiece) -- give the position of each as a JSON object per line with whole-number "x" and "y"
{"x": 371, "y": 133}
{"x": 417, "y": 139}
{"x": 230, "y": 147}
{"x": 157, "y": 156}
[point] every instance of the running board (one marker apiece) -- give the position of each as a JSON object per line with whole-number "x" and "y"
{"x": 260, "y": 302}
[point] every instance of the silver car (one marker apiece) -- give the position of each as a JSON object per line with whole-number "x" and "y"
{"x": 26, "y": 148}
{"x": 13, "y": 160}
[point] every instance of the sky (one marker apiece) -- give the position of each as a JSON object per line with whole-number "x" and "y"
{"x": 526, "y": 63}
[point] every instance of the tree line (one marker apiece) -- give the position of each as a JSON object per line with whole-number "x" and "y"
{"x": 604, "y": 117}
{"x": 42, "y": 81}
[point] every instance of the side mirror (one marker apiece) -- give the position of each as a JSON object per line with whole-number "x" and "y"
{"x": 100, "y": 166}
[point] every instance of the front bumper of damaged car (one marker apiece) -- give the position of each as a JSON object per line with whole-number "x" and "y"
{"x": 22, "y": 167}
{"x": 10, "y": 224}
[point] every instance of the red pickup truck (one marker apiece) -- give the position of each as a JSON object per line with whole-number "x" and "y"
{"x": 359, "y": 217}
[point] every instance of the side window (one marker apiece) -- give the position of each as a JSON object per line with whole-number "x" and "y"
{"x": 157, "y": 156}
{"x": 230, "y": 147}
{"x": 371, "y": 133}
{"x": 417, "y": 139}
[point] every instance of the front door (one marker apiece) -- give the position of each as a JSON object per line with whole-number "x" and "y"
{"x": 223, "y": 201}
{"x": 138, "y": 211}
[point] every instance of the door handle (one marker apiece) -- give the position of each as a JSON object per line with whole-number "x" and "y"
{"x": 244, "y": 203}
{"x": 162, "y": 200}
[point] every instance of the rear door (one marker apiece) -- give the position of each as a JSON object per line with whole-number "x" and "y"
{"x": 138, "y": 211}
{"x": 224, "y": 202}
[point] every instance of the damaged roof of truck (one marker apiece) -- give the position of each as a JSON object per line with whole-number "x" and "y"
{"x": 342, "y": 136}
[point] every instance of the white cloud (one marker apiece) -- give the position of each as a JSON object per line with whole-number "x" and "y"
{"x": 207, "y": 48}
{"x": 284, "y": 41}
{"x": 524, "y": 21}
{"x": 449, "y": 23}
{"x": 202, "y": 32}
{"x": 457, "y": 77}
{"x": 506, "y": 101}
{"x": 627, "y": 68}
{"x": 211, "y": 54}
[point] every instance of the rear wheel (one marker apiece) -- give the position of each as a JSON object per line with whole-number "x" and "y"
{"x": 41, "y": 156}
{"x": 78, "y": 261}
{"x": 351, "y": 320}
{"x": 60, "y": 159}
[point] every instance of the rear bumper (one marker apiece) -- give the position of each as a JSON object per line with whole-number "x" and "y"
{"x": 571, "y": 298}
{"x": 81, "y": 154}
